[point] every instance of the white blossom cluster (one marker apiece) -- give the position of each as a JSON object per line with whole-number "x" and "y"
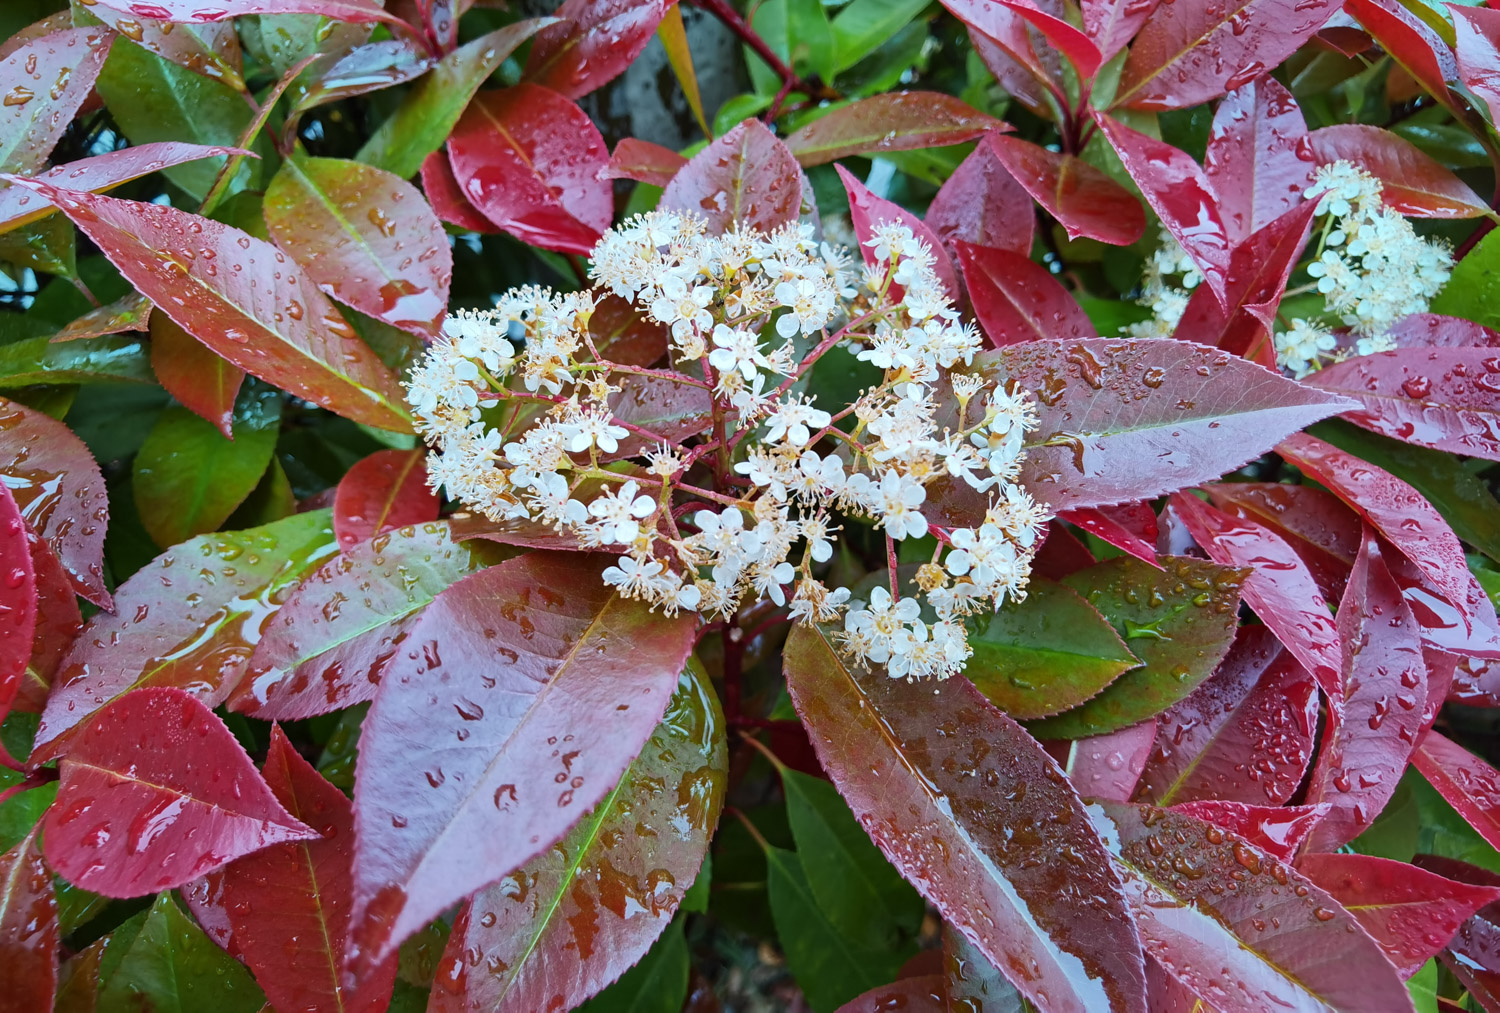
{"x": 1167, "y": 284}
{"x": 515, "y": 403}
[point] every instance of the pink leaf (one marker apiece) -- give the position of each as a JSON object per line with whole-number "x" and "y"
{"x": 1477, "y": 30}
{"x": 643, "y": 162}
{"x": 1412, "y": 182}
{"x": 866, "y": 211}
{"x": 1108, "y": 766}
{"x": 58, "y": 622}
{"x": 157, "y": 792}
{"x": 194, "y": 12}
{"x": 1130, "y": 527}
{"x": 1083, "y": 199}
{"x": 981, "y": 203}
{"x": 447, "y": 197}
{"x": 1075, "y": 45}
{"x": 18, "y": 600}
{"x": 386, "y": 490}
{"x": 1468, "y": 783}
{"x": 1277, "y": 830}
{"x": 46, "y": 80}
{"x": 210, "y": 49}
{"x": 1315, "y": 523}
{"x": 1432, "y": 330}
{"x": 1017, "y": 300}
{"x": 1258, "y": 159}
{"x": 746, "y": 176}
{"x": 894, "y": 121}
{"x": 28, "y": 926}
{"x": 593, "y": 45}
{"x": 1003, "y": 37}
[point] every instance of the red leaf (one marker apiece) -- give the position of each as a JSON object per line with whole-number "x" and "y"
{"x": 1314, "y": 522}
{"x": 1258, "y": 159}
{"x": 458, "y": 784}
{"x": 593, "y": 45}
{"x": 964, "y": 815}
{"x": 1280, "y": 589}
{"x": 1410, "y": 912}
{"x": 194, "y": 12}
{"x": 289, "y": 903}
{"x": 1468, "y": 783}
{"x": 1128, "y": 526}
{"x": 1412, "y": 182}
{"x": 1472, "y": 630}
{"x": 157, "y": 792}
{"x": 201, "y": 379}
{"x": 746, "y": 176}
{"x": 1083, "y": 199}
{"x": 643, "y": 162}
{"x": 204, "y": 900}
{"x": 212, "y": 50}
{"x": 668, "y": 410}
{"x": 1432, "y": 330}
{"x": 19, "y": 206}
{"x": 1061, "y": 554}
{"x": 1017, "y": 299}
{"x": 447, "y": 198}
{"x": 46, "y": 81}
{"x": 281, "y": 329}
{"x": 130, "y": 312}
{"x": 1025, "y": 62}
{"x": 28, "y": 927}
{"x": 529, "y": 160}
{"x": 1477, "y": 30}
{"x": 981, "y": 203}
{"x": 1073, "y": 44}
{"x": 1413, "y": 45}
{"x": 923, "y": 993}
{"x": 1108, "y": 766}
{"x": 57, "y": 624}
{"x": 1446, "y": 398}
{"x": 1189, "y": 53}
{"x": 365, "y": 237}
{"x": 1180, "y": 194}
{"x": 1244, "y": 735}
{"x": 386, "y": 490}
{"x": 60, "y": 492}
{"x": 18, "y": 600}
{"x": 1277, "y": 830}
{"x": 1401, "y": 515}
{"x": 1238, "y": 927}
{"x": 189, "y": 619}
{"x": 1366, "y": 742}
{"x": 623, "y": 334}
{"x": 866, "y": 211}
{"x": 894, "y": 121}
{"x": 1113, "y": 23}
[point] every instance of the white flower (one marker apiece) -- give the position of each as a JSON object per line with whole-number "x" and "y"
{"x": 617, "y": 514}
{"x": 681, "y": 307}
{"x": 736, "y": 349}
{"x": 1300, "y": 347}
{"x": 794, "y": 421}
{"x": 593, "y": 428}
{"x": 882, "y": 623}
{"x": 898, "y": 501}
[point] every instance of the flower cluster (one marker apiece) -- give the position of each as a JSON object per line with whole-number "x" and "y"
{"x": 1167, "y": 283}
{"x": 521, "y": 410}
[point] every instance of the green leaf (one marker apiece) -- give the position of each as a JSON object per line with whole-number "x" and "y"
{"x": 1047, "y": 654}
{"x": 1423, "y": 987}
{"x": 770, "y": 22}
{"x": 811, "y": 38}
{"x": 830, "y": 967}
{"x": 47, "y": 245}
{"x": 1178, "y": 621}
{"x": 1473, "y": 289}
{"x": 188, "y": 478}
{"x": 171, "y": 966}
{"x": 658, "y": 984}
{"x": 1443, "y": 832}
{"x": 853, "y": 884}
{"x": 90, "y": 360}
{"x": 864, "y": 25}
{"x": 19, "y": 813}
{"x": 152, "y": 99}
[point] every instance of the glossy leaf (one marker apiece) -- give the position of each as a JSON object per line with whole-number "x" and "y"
{"x": 428, "y": 113}
{"x": 188, "y": 478}
{"x": 365, "y": 237}
{"x": 58, "y": 622}
{"x": 1017, "y": 299}
{"x": 338, "y": 630}
{"x": 60, "y": 492}
{"x": 1476, "y": 31}
{"x": 1241, "y": 929}
{"x": 1469, "y": 784}
{"x": 209, "y": 48}
{"x": 47, "y": 79}
{"x": 437, "y": 823}
{"x": 190, "y": 619}
{"x": 169, "y": 964}
{"x": 968, "y": 842}
{"x": 1323, "y": 532}
{"x": 1412, "y": 182}
{"x": 1084, "y": 200}
{"x": 1410, "y": 912}
{"x": 446, "y": 197}
{"x": 643, "y": 162}
{"x": 1179, "y": 621}
{"x": 1411, "y": 43}
{"x": 363, "y": 69}
{"x": 1244, "y": 735}
{"x": 155, "y": 764}
{"x": 288, "y": 904}
{"x": 1130, "y": 527}
{"x": 529, "y": 160}
{"x": 1189, "y": 53}
{"x": 981, "y": 203}
{"x": 1258, "y": 157}
{"x": 128, "y": 313}
{"x": 1277, "y": 830}
{"x": 923, "y": 993}
{"x": 1367, "y": 741}
{"x": 867, "y": 211}
{"x": 1044, "y": 655}
{"x": 1433, "y": 330}
{"x": 1075, "y": 45}
{"x": 745, "y": 176}
{"x": 895, "y": 121}
{"x": 567, "y": 923}
{"x": 593, "y": 44}
{"x": 191, "y": 11}
{"x": 28, "y": 926}
{"x": 204, "y": 382}
{"x": 281, "y": 329}
{"x": 386, "y": 490}
{"x": 18, "y": 600}
{"x": 1109, "y": 765}
{"x": 1021, "y": 58}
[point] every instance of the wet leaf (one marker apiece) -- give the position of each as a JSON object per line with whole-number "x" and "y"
{"x": 1179, "y": 621}
{"x": 188, "y": 478}
{"x": 1323, "y": 532}
{"x": 1277, "y": 830}
{"x": 971, "y": 978}
{"x": 189, "y": 619}
{"x": 288, "y": 904}
{"x": 201, "y": 379}
{"x": 1129, "y": 527}
{"x": 192, "y": 12}
{"x": 643, "y": 162}
{"x": 1470, "y": 785}
{"x": 169, "y": 964}
{"x": 46, "y": 80}
{"x": 58, "y": 622}
{"x": 210, "y": 48}
{"x": 128, "y": 313}
{"x": 895, "y": 121}
{"x": 1412, "y": 182}
{"x": 439, "y": 821}
{"x": 1433, "y": 330}
{"x": 1084, "y": 200}
{"x": 262, "y": 316}
{"x": 60, "y": 492}
{"x": 982, "y": 203}
{"x": 594, "y": 43}
{"x": 1017, "y": 299}
{"x": 448, "y": 201}
{"x": 1410, "y": 912}
{"x": 1244, "y": 735}
{"x": 745, "y": 176}
{"x": 1241, "y": 929}
{"x": 567, "y": 923}
{"x": 1044, "y": 655}
{"x": 1258, "y": 158}
{"x": 1109, "y": 765}
{"x": 959, "y": 798}
{"x": 923, "y": 993}
{"x": 1478, "y": 59}
{"x": 365, "y": 237}
{"x": 386, "y": 490}
{"x": 658, "y": 984}
{"x": 867, "y": 211}
{"x": 364, "y": 69}
{"x": 529, "y": 160}
{"x": 1413, "y": 45}
{"x": 156, "y": 792}
{"x": 18, "y": 600}
{"x": 28, "y": 926}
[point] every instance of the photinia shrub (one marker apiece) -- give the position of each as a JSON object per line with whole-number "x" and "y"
{"x": 841, "y": 505}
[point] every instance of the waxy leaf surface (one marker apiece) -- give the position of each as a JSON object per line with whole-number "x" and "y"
{"x": 982, "y": 203}
{"x": 1258, "y": 158}
{"x": 46, "y": 80}
{"x": 18, "y": 600}
{"x": 386, "y": 490}
{"x": 1130, "y": 527}
{"x": 157, "y": 792}
{"x": 643, "y": 162}
{"x": 1323, "y": 532}
{"x": 205, "y": 382}
{"x": 1084, "y": 200}
{"x": 165, "y": 962}
{"x": 1412, "y": 182}
{"x": 1017, "y": 300}
{"x": 1277, "y": 830}
{"x": 867, "y": 211}
{"x": 1470, "y": 785}
{"x": 745, "y": 176}
{"x": 594, "y": 43}
{"x": 895, "y": 121}
{"x": 210, "y": 48}
{"x": 447, "y": 198}
{"x": 28, "y": 926}
{"x": 1109, "y": 765}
